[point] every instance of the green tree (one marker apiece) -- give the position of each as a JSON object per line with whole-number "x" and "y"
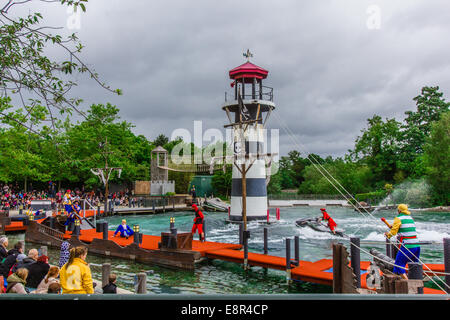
{"x": 85, "y": 141}
{"x": 274, "y": 186}
{"x": 290, "y": 170}
{"x": 430, "y": 104}
{"x": 221, "y": 181}
{"x": 23, "y": 151}
{"x": 351, "y": 177}
{"x": 161, "y": 140}
{"x": 378, "y": 147}
{"x": 437, "y": 150}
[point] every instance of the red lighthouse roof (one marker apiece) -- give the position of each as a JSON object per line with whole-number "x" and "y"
{"x": 248, "y": 71}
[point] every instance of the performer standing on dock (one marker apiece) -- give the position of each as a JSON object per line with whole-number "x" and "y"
{"x": 198, "y": 223}
{"x": 76, "y": 209}
{"x": 67, "y": 202}
{"x": 409, "y": 248}
{"x": 331, "y": 224}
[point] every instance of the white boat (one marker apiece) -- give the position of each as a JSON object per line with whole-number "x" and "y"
{"x": 215, "y": 204}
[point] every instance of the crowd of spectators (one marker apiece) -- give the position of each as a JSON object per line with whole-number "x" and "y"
{"x": 12, "y": 197}
{"x": 32, "y": 273}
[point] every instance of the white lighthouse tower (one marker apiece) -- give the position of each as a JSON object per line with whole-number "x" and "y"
{"x": 248, "y": 111}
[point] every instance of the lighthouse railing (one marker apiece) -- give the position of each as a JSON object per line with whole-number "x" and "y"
{"x": 265, "y": 94}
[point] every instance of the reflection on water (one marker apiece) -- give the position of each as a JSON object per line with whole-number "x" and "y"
{"x": 219, "y": 277}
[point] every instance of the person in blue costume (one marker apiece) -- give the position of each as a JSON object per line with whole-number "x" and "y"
{"x": 76, "y": 209}
{"x": 124, "y": 229}
{"x": 67, "y": 202}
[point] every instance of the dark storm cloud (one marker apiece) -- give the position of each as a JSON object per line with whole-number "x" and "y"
{"x": 330, "y": 72}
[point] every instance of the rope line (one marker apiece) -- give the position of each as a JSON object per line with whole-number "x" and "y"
{"x": 317, "y": 164}
{"x": 400, "y": 267}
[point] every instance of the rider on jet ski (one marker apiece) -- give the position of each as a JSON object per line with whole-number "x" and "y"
{"x": 325, "y": 216}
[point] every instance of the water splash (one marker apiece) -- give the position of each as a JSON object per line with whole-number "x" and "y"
{"x": 414, "y": 193}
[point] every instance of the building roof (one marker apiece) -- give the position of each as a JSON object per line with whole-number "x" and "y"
{"x": 248, "y": 70}
{"x": 159, "y": 149}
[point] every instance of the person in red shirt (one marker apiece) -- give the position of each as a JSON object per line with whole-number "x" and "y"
{"x": 198, "y": 223}
{"x": 331, "y": 224}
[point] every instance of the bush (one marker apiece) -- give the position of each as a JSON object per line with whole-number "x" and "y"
{"x": 372, "y": 197}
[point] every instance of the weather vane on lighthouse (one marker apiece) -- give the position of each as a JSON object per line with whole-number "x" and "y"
{"x": 248, "y": 54}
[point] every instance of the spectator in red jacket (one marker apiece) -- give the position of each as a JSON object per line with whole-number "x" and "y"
{"x": 331, "y": 224}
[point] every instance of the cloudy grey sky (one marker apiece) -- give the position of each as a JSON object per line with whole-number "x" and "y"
{"x": 332, "y": 64}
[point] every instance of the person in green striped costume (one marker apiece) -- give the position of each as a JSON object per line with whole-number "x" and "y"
{"x": 405, "y": 229}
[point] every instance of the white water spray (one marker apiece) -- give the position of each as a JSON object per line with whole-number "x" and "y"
{"x": 414, "y": 193}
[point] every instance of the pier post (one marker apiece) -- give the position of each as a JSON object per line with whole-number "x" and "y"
{"x": 246, "y": 236}
{"x": 76, "y": 229}
{"x": 141, "y": 285}
{"x": 105, "y": 230}
{"x": 447, "y": 263}
{"x": 137, "y": 237}
{"x": 106, "y": 271}
{"x": 355, "y": 258}
{"x": 288, "y": 261}
{"x": 241, "y": 228}
{"x": 99, "y": 226}
{"x": 204, "y": 229}
{"x": 266, "y": 250}
{"x": 388, "y": 248}
{"x": 297, "y": 250}
{"x": 415, "y": 272}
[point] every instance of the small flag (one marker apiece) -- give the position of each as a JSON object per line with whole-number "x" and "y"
{"x": 244, "y": 111}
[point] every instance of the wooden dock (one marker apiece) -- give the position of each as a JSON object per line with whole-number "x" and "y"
{"x": 319, "y": 272}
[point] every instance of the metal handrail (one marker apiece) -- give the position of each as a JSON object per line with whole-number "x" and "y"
{"x": 258, "y": 94}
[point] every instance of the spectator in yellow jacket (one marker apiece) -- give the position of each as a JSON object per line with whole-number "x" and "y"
{"x": 75, "y": 275}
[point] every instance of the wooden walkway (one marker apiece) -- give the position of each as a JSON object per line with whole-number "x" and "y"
{"x": 150, "y": 242}
{"x": 320, "y": 272}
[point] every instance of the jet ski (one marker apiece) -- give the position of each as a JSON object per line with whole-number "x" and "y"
{"x": 317, "y": 225}
{"x": 215, "y": 204}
